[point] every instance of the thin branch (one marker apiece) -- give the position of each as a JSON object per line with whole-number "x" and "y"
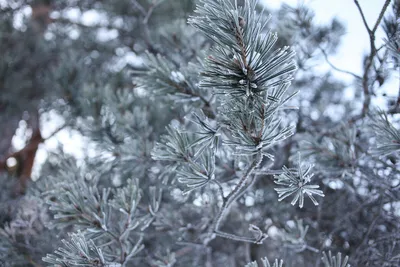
{"x": 269, "y": 172}
{"x": 243, "y": 190}
{"x": 38, "y": 140}
{"x": 31, "y": 261}
{"x": 370, "y": 59}
{"x": 56, "y": 131}
{"x": 336, "y": 68}
{"x": 150, "y": 12}
{"x": 139, "y": 7}
{"x": 234, "y": 237}
{"x": 362, "y": 16}
{"x": 371, "y": 226}
{"x": 221, "y": 190}
{"x": 228, "y": 200}
{"x": 367, "y": 97}
{"x": 118, "y": 240}
{"x": 242, "y": 181}
{"x": 207, "y": 109}
{"x": 385, "y": 6}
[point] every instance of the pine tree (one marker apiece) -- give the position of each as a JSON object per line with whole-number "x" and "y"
{"x": 219, "y": 144}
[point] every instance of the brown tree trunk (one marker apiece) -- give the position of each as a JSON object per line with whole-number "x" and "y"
{"x": 25, "y": 158}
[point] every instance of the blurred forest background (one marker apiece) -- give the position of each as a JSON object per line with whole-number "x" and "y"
{"x": 65, "y": 66}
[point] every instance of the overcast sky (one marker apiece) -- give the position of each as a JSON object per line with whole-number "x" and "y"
{"x": 356, "y": 41}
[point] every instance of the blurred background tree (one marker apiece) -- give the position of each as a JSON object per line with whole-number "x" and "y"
{"x": 117, "y": 73}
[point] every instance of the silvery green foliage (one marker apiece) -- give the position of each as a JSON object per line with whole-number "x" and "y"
{"x": 168, "y": 80}
{"x": 243, "y": 62}
{"x": 252, "y": 78}
{"x": 265, "y": 263}
{"x": 199, "y": 121}
{"x": 296, "y": 181}
{"x": 333, "y": 152}
{"x": 294, "y": 237}
{"x": 335, "y": 261}
{"x": 172, "y": 73}
{"x": 256, "y": 128}
{"x": 328, "y": 261}
{"x": 176, "y": 146}
{"x": 393, "y": 47}
{"x": 196, "y": 149}
{"x": 168, "y": 260}
{"x": 252, "y": 116}
{"x": 251, "y": 82}
{"x": 199, "y": 174}
{"x": 24, "y": 226}
{"x": 391, "y": 27}
{"x": 387, "y": 136}
{"x": 127, "y": 198}
{"x": 209, "y": 132}
{"x": 77, "y": 202}
{"x": 29, "y": 220}
{"x": 78, "y": 252}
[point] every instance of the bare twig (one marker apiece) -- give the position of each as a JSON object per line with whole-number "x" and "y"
{"x": 56, "y": 131}
{"x": 139, "y": 7}
{"x": 370, "y": 59}
{"x": 362, "y": 16}
{"x": 336, "y": 68}
{"x": 31, "y": 261}
{"x": 150, "y": 12}
{"x": 229, "y": 199}
{"x": 371, "y": 226}
{"x": 221, "y": 190}
{"x": 385, "y": 6}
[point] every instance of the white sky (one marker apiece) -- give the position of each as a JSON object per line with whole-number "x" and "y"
{"x": 356, "y": 41}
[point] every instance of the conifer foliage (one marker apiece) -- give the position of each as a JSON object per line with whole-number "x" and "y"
{"x": 218, "y": 145}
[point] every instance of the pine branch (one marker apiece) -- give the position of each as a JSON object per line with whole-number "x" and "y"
{"x": 228, "y": 200}
{"x": 79, "y": 252}
{"x": 242, "y": 62}
{"x": 163, "y": 78}
{"x": 296, "y": 181}
{"x": 388, "y": 137}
